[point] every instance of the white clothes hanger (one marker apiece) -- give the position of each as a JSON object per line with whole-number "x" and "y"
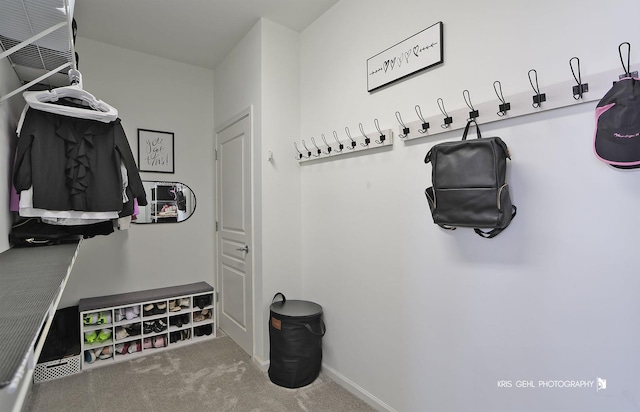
{"x": 44, "y": 100}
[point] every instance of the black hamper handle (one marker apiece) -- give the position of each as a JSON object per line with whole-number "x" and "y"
{"x": 284, "y": 299}
{"x": 323, "y": 328}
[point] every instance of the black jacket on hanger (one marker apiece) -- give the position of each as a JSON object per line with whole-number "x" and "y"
{"x": 74, "y": 164}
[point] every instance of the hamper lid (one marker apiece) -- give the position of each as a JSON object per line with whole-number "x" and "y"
{"x": 296, "y": 308}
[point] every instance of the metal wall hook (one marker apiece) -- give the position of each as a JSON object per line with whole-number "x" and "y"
{"x": 467, "y": 99}
{"x": 307, "y": 149}
{"x": 329, "y": 148}
{"x": 382, "y": 136}
{"x": 300, "y": 155}
{"x": 504, "y": 106}
{"x": 318, "y": 150}
{"x": 340, "y": 145}
{"x": 366, "y": 139}
{"x": 627, "y": 68}
{"x": 538, "y": 98}
{"x": 353, "y": 142}
{"x": 447, "y": 119}
{"x": 580, "y": 87}
{"x": 425, "y": 124}
{"x": 405, "y": 129}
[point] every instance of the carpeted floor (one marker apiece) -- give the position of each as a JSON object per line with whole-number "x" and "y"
{"x": 214, "y": 375}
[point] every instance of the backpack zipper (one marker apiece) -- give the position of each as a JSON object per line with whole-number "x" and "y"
{"x": 500, "y": 194}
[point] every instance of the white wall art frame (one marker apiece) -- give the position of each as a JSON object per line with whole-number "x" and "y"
{"x": 419, "y": 52}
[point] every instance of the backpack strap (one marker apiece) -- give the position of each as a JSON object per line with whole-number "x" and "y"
{"x": 495, "y": 232}
{"x": 427, "y": 158}
{"x": 466, "y": 129}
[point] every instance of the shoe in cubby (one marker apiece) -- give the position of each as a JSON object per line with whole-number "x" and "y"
{"x": 152, "y": 309}
{"x": 147, "y": 343}
{"x": 149, "y": 309}
{"x": 126, "y": 348}
{"x": 119, "y": 314}
{"x": 104, "y": 318}
{"x": 161, "y": 308}
{"x": 97, "y": 318}
{"x": 201, "y": 315}
{"x": 159, "y": 341}
{"x": 134, "y": 329}
{"x": 185, "y": 303}
{"x": 103, "y": 335}
{"x": 176, "y": 321}
{"x": 106, "y": 353}
{"x": 132, "y": 312}
{"x": 174, "y": 305}
{"x": 203, "y": 330}
{"x": 121, "y": 333}
{"x": 202, "y": 301}
{"x": 90, "y": 355}
{"x": 135, "y": 346}
{"x": 90, "y": 318}
{"x": 198, "y": 316}
{"x": 90, "y": 336}
{"x": 122, "y": 348}
{"x": 159, "y": 325}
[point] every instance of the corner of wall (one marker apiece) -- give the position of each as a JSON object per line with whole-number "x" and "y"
{"x": 9, "y": 114}
{"x": 280, "y": 173}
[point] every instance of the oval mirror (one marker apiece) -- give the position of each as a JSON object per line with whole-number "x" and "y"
{"x": 168, "y": 202}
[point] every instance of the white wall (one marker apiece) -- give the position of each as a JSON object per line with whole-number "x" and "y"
{"x": 9, "y": 113}
{"x": 281, "y": 199}
{"x": 420, "y": 319}
{"x": 263, "y": 72}
{"x": 158, "y": 94}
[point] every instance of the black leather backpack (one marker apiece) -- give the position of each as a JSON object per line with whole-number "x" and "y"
{"x": 469, "y": 187}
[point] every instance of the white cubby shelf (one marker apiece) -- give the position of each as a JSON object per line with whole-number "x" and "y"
{"x": 141, "y": 323}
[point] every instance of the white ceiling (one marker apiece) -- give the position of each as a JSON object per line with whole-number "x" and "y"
{"x": 198, "y": 32}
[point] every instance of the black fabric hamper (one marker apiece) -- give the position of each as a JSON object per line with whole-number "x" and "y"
{"x": 295, "y": 334}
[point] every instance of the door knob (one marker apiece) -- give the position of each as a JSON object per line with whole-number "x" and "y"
{"x": 245, "y": 248}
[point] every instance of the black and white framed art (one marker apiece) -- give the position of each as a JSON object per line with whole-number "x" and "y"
{"x": 155, "y": 151}
{"x": 419, "y": 52}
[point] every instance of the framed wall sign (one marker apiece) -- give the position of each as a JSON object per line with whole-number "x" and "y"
{"x": 155, "y": 151}
{"x": 418, "y": 52}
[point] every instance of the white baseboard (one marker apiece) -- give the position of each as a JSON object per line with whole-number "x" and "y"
{"x": 262, "y": 364}
{"x": 341, "y": 380}
{"x": 356, "y": 390}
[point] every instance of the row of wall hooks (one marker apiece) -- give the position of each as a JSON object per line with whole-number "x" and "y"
{"x": 336, "y": 147}
{"x": 549, "y": 97}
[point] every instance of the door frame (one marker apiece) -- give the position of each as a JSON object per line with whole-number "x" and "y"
{"x": 247, "y": 112}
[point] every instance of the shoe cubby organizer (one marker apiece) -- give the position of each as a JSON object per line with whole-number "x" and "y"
{"x": 121, "y": 327}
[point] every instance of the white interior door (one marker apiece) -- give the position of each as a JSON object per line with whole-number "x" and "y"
{"x": 235, "y": 281}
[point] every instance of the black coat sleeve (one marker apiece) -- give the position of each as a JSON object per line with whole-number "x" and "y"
{"x": 22, "y": 166}
{"x": 135, "y": 182}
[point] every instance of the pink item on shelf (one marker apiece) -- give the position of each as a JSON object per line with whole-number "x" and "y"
{"x": 158, "y": 341}
{"x": 14, "y": 201}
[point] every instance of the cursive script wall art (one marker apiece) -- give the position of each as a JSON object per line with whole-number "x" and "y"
{"x": 155, "y": 151}
{"x": 418, "y": 52}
